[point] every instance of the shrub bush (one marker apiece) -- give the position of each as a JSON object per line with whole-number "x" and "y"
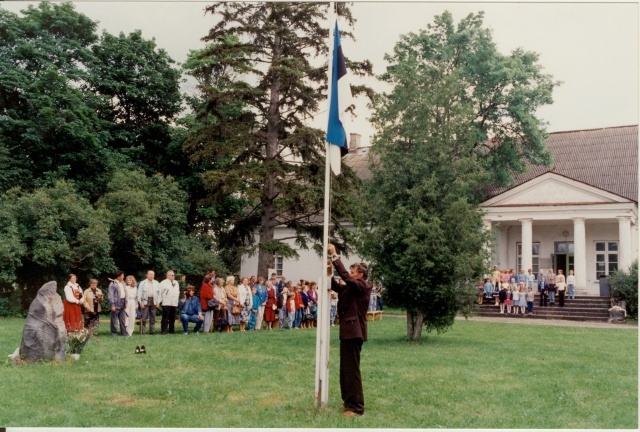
{"x": 624, "y": 286}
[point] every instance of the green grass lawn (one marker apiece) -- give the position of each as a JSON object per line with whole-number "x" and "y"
{"x": 476, "y": 375}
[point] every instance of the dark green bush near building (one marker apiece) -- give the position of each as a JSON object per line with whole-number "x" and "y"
{"x": 624, "y": 286}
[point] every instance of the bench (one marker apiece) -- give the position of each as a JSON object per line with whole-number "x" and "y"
{"x": 374, "y": 315}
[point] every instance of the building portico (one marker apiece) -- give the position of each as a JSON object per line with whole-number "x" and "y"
{"x": 555, "y": 222}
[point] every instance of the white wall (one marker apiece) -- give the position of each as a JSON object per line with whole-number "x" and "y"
{"x": 547, "y": 235}
{"x": 307, "y": 267}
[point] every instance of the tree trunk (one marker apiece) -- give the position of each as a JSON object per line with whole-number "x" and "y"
{"x": 414, "y": 324}
{"x": 269, "y": 192}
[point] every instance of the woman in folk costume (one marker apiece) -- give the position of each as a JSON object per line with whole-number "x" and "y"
{"x": 131, "y": 287}
{"x": 73, "y": 299}
{"x": 270, "y": 308}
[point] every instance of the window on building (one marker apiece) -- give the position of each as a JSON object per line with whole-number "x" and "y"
{"x": 279, "y": 265}
{"x": 606, "y": 258}
{"x": 535, "y": 258}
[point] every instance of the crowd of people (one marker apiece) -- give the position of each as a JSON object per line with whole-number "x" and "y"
{"x": 222, "y": 305}
{"x": 515, "y": 292}
{"x": 219, "y": 305}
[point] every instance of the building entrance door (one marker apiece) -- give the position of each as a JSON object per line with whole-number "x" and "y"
{"x": 563, "y": 262}
{"x": 563, "y": 258}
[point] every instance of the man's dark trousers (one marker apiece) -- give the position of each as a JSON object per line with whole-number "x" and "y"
{"x": 168, "y": 319}
{"x": 350, "y": 378}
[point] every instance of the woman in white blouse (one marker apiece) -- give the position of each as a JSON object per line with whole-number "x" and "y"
{"x": 73, "y": 299}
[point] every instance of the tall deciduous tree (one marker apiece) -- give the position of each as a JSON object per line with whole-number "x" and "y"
{"x": 47, "y": 234}
{"x": 259, "y": 85}
{"x": 76, "y": 106}
{"x": 48, "y": 124}
{"x": 140, "y": 90}
{"x": 147, "y": 219}
{"x": 460, "y": 114}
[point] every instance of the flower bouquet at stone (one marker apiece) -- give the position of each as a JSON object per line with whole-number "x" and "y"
{"x": 76, "y": 341}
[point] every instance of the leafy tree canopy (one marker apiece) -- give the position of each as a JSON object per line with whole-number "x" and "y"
{"x": 49, "y": 233}
{"x": 76, "y": 106}
{"x": 459, "y": 114}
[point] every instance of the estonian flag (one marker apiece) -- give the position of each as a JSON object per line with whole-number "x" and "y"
{"x": 339, "y": 101}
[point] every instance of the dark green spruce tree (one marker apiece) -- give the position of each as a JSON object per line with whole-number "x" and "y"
{"x": 262, "y": 75}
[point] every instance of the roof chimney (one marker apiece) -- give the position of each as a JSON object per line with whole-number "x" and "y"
{"x": 354, "y": 142}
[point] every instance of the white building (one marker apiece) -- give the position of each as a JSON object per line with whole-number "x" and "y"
{"x": 580, "y": 214}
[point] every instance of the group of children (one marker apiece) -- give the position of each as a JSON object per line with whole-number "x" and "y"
{"x": 514, "y": 292}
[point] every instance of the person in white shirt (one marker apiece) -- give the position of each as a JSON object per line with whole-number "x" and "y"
{"x": 73, "y": 300}
{"x": 571, "y": 283}
{"x": 149, "y": 298}
{"x": 170, "y": 292}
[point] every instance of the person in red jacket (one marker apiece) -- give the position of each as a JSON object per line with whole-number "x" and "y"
{"x": 353, "y": 303}
{"x": 299, "y": 306}
{"x": 206, "y": 293}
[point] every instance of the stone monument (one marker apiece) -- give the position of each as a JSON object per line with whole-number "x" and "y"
{"x": 44, "y": 336}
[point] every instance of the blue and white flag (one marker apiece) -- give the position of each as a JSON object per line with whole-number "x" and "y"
{"x": 339, "y": 101}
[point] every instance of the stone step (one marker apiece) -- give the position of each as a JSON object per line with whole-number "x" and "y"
{"x": 580, "y": 309}
{"x": 569, "y": 304}
{"x": 552, "y": 312}
{"x": 537, "y": 315}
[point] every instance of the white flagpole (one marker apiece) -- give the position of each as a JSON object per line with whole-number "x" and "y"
{"x": 322, "y": 332}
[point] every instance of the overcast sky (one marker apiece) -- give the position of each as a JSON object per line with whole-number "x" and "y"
{"x": 591, "y": 47}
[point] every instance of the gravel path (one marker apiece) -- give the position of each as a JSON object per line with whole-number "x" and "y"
{"x": 565, "y": 323}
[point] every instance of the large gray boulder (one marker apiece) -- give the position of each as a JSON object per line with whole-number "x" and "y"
{"x": 44, "y": 336}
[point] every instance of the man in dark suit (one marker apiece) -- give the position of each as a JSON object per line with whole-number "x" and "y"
{"x": 353, "y": 303}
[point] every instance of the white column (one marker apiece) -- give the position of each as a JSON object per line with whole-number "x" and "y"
{"x": 580, "y": 253}
{"x": 527, "y": 243}
{"x": 502, "y": 234}
{"x": 488, "y": 246}
{"x": 624, "y": 246}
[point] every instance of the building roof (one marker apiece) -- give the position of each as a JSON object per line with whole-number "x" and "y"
{"x": 604, "y": 158}
{"x": 358, "y": 160}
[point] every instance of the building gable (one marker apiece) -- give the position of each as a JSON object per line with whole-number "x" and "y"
{"x": 552, "y": 189}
